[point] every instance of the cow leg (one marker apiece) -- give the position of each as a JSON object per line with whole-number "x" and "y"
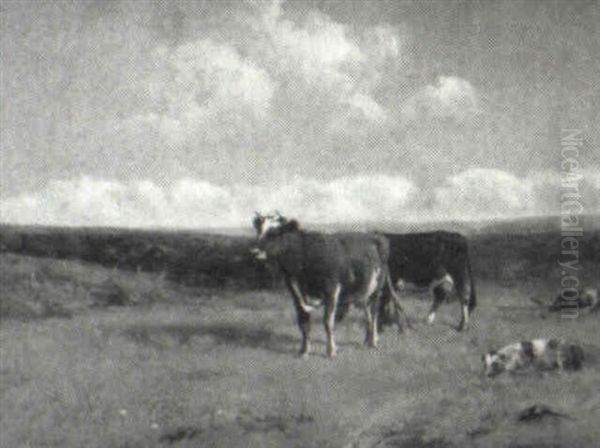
{"x": 371, "y": 313}
{"x": 302, "y": 317}
{"x": 368, "y": 325}
{"x": 463, "y": 289}
{"x": 372, "y": 308}
{"x": 329, "y": 319}
{"x": 439, "y": 295}
{"x": 442, "y": 288}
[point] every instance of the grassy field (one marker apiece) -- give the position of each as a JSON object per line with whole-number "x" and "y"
{"x": 98, "y": 357}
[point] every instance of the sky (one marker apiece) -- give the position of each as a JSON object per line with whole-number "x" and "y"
{"x": 196, "y": 114}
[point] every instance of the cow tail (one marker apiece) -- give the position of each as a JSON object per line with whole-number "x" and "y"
{"x": 472, "y": 296}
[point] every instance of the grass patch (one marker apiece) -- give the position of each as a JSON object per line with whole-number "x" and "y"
{"x": 182, "y": 367}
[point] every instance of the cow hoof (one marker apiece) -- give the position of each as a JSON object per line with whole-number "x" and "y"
{"x": 371, "y": 343}
{"x": 303, "y": 355}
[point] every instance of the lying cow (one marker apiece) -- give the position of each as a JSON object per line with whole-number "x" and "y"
{"x": 439, "y": 260}
{"x": 333, "y": 270}
{"x": 542, "y": 354}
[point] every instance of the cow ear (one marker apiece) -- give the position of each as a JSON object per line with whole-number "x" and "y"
{"x": 293, "y": 224}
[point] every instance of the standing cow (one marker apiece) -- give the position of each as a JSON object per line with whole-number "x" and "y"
{"x": 333, "y": 270}
{"x": 439, "y": 260}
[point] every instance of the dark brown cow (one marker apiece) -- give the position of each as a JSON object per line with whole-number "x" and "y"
{"x": 333, "y": 270}
{"x": 439, "y": 260}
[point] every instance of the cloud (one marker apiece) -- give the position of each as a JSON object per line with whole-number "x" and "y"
{"x": 191, "y": 203}
{"x": 203, "y": 85}
{"x": 484, "y": 193}
{"x": 346, "y": 199}
{"x": 319, "y": 49}
{"x": 319, "y": 57}
{"x": 551, "y": 188}
{"x": 450, "y": 97}
{"x": 291, "y": 69}
{"x": 490, "y": 193}
{"x": 368, "y": 107}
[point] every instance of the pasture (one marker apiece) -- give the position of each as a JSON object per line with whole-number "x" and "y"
{"x": 107, "y": 357}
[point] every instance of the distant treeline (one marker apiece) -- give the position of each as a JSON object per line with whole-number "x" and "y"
{"x": 219, "y": 260}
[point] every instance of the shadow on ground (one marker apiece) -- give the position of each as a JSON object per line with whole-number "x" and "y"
{"x": 222, "y": 334}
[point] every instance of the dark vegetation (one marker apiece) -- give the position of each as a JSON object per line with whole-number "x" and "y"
{"x": 209, "y": 260}
{"x": 192, "y": 259}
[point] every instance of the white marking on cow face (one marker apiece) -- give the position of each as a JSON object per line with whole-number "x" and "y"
{"x": 267, "y": 223}
{"x": 431, "y": 317}
{"x": 493, "y": 364}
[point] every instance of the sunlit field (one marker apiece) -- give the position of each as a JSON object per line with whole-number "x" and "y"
{"x": 101, "y": 356}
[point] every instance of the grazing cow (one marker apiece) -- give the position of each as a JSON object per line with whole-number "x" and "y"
{"x": 333, "y": 270}
{"x": 542, "y": 354}
{"x": 439, "y": 260}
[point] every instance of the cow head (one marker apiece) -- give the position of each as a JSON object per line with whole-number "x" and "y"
{"x": 493, "y": 363}
{"x": 274, "y": 224}
{"x": 268, "y": 226}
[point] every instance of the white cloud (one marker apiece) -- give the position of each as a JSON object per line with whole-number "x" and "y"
{"x": 191, "y": 203}
{"x": 491, "y": 193}
{"x": 207, "y": 72}
{"x": 549, "y": 186}
{"x": 310, "y": 66}
{"x": 320, "y": 55}
{"x": 204, "y": 84}
{"x": 592, "y": 177}
{"x": 92, "y": 202}
{"x": 484, "y": 193}
{"x": 383, "y": 41}
{"x": 368, "y": 107}
{"x": 450, "y": 97}
{"x": 320, "y": 48}
{"x": 347, "y": 199}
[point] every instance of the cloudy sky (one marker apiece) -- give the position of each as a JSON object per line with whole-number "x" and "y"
{"x": 195, "y": 114}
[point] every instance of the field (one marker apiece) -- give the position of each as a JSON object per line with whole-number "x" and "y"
{"x": 97, "y": 354}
